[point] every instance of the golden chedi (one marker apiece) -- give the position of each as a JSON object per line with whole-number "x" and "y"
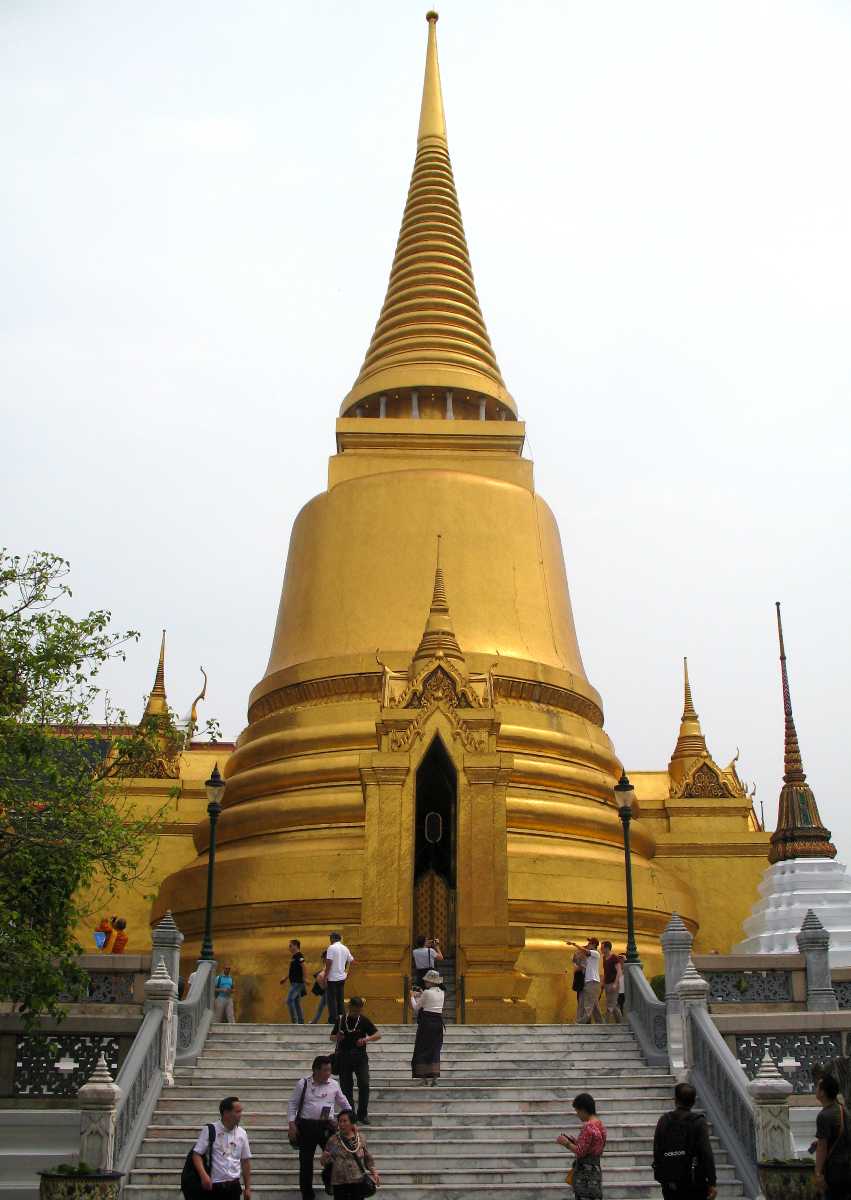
{"x": 427, "y": 768}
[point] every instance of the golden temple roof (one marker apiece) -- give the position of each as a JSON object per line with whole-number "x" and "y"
{"x": 431, "y": 332}
{"x": 438, "y": 640}
{"x": 799, "y": 832}
{"x": 157, "y": 704}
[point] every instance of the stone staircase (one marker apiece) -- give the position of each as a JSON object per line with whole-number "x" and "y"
{"x": 489, "y": 1127}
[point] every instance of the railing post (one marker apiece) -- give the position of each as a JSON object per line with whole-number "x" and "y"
{"x": 814, "y": 943}
{"x": 676, "y": 945}
{"x": 98, "y": 1101}
{"x": 693, "y": 993}
{"x": 167, "y": 940}
{"x": 770, "y": 1093}
{"x": 159, "y": 993}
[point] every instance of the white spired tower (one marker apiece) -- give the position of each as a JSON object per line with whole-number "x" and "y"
{"x": 804, "y": 873}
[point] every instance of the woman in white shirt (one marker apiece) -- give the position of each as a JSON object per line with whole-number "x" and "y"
{"x": 428, "y": 1005}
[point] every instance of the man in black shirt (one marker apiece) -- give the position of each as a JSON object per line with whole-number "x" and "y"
{"x": 833, "y": 1143}
{"x": 353, "y": 1032}
{"x": 683, "y": 1161}
{"x": 295, "y": 979}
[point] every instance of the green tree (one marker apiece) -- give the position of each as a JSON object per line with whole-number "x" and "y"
{"x": 65, "y": 817}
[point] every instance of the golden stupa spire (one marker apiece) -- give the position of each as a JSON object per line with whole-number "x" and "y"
{"x": 157, "y": 705}
{"x": 691, "y": 742}
{"x": 799, "y": 832}
{"x": 438, "y": 640}
{"x": 431, "y": 337}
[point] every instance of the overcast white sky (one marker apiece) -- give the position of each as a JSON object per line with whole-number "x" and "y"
{"x": 199, "y": 210}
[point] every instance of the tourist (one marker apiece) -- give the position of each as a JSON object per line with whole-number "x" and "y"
{"x": 620, "y": 982}
{"x": 319, "y": 989}
{"x": 295, "y": 978}
{"x": 683, "y": 1162}
{"x": 353, "y": 1032}
{"x": 119, "y": 944}
{"x": 315, "y": 1099}
{"x": 428, "y": 1003}
{"x": 833, "y": 1142}
{"x": 350, "y": 1159}
{"x": 231, "y": 1153}
{"x": 223, "y": 1002}
{"x": 586, "y": 1178}
{"x": 426, "y": 953}
{"x": 338, "y": 959}
{"x": 589, "y": 1008}
{"x": 105, "y": 935}
{"x": 611, "y": 962}
{"x": 578, "y": 983}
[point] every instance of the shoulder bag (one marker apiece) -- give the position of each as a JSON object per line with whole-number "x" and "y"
{"x": 293, "y": 1140}
{"x": 840, "y": 1137}
{"x": 190, "y": 1180}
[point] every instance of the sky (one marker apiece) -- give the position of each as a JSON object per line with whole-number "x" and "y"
{"x": 199, "y": 211}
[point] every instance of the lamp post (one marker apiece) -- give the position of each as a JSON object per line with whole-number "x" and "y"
{"x": 624, "y": 796}
{"x": 215, "y": 788}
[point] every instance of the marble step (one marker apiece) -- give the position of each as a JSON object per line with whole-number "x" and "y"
{"x": 490, "y": 1141}
{"x": 434, "y": 1110}
{"x": 432, "y": 1171}
{"x": 399, "y": 1053}
{"x": 623, "y": 1190}
{"x": 638, "y": 1127}
{"x": 412, "y": 1092}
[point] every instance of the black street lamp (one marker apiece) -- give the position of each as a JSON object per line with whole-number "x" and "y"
{"x": 624, "y": 796}
{"x": 215, "y": 788}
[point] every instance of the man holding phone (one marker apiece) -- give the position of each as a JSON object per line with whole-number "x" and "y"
{"x": 315, "y": 1100}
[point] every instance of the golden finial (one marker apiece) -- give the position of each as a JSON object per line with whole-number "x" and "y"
{"x": 438, "y": 640}
{"x": 690, "y": 742}
{"x": 431, "y": 335}
{"x": 799, "y": 832}
{"x": 192, "y": 723}
{"x": 432, "y": 118}
{"x": 157, "y": 704}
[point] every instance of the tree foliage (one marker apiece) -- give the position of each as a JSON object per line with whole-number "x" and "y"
{"x": 65, "y": 816}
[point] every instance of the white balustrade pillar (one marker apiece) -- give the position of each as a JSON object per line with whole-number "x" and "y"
{"x": 814, "y": 943}
{"x": 98, "y": 1101}
{"x": 159, "y": 993}
{"x": 676, "y": 944}
{"x": 693, "y": 993}
{"x": 770, "y": 1093}
{"x": 167, "y": 940}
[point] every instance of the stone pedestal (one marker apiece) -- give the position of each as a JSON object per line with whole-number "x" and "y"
{"x": 770, "y": 1093}
{"x": 98, "y": 1101}
{"x": 676, "y": 945}
{"x": 167, "y": 940}
{"x": 159, "y": 993}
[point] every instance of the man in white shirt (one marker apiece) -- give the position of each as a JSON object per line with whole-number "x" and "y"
{"x": 315, "y": 1100}
{"x": 338, "y": 959}
{"x": 588, "y": 998}
{"x": 231, "y": 1153}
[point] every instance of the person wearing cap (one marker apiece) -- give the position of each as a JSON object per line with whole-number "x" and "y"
{"x": 338, "y": 959}
{"x": 427, "y": 1003}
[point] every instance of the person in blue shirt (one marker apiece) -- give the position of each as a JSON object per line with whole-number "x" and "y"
{"x": 223, "y": 1007}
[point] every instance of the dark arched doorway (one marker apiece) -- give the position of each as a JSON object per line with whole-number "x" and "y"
{"x": 434, "y": 847}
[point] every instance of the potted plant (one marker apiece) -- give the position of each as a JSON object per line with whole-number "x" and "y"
{"x": 79, "y": 1181}
{"x": 787, "y": 1179}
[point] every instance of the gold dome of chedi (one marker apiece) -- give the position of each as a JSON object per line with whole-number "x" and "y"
{"x": 367, "y": 721}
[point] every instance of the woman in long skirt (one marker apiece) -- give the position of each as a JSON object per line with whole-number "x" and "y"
{"x": 428, "y": 1005}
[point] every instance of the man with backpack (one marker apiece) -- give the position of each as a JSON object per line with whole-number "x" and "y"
{"x": 220, "y": 1155}
{"x": 683, "y": 1162}
{"x": 833, "y": 1143}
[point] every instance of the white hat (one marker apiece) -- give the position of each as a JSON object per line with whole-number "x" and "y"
{"x": 432, "y": 977}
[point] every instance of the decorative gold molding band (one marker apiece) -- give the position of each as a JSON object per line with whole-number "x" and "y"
{"x": 720, "y": 850}
{"x": 367, "y": 686}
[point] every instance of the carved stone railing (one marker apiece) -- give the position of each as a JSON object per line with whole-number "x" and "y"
{"x": 722, "y": 1091}
{"x": 140, "y": 1080}
{"x": 748, "y": 987}
{"x": 112, "y": 979}
{"x": 195, "y": 1013}
{"x": 646, "y": 1015}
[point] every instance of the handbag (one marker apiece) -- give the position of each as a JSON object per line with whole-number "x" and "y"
{"x": 367, "y": 1180}
{"x": 190, "y": 1180}
{"x": 293, "y": 1140}
{"x": 568, "y": 1179}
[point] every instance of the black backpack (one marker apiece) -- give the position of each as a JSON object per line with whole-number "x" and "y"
{"x": 675, "y": 1153}
{"x": 190, "y": 1180}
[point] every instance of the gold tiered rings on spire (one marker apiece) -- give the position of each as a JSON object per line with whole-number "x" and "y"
{"x": 431, "y": 336}
{"x": 157, "y": 705}
{"x": 799, "y": 832}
